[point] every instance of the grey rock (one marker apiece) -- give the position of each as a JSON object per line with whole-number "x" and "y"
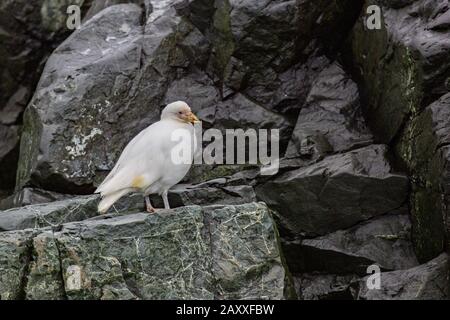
{"x": 83, "y": 93}
{"x": 28, "y": 196}
{"x": 423, "y": 149}
{"x": 218, "y": 193}
{"x": 199, "y": 12}
{"x": 202, "y": 97}
{"x": 48, "y": 214}
{"x": 314, "y": 286}
{"x": 285, "y": 92}
{"x": 98, "y": 5}
{"x": 30, "y": 30}
{"x": 336, "y": 192}
{"x": 384, "y": 241}
{"x": 97, "y": 92}
{"x": 331, "y": 121}
{"x": 428, "y": 281}
{"x": 255, "y": 24}
{"x": 200, "y": 173}
{"x": 27, "y": 37}
{"x": 404, "y": 66}
{"x": 241, "y": 112}
{"x": 268, "y": 32}
{"x": 54, "y": 214}
{"x": 278, "y": 44}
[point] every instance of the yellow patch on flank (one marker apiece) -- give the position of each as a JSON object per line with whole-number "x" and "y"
{"x": 138, "y": 182}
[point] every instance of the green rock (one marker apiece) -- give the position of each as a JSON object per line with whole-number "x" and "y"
{"x": 45, "y": 277}
{"x": 213, "y": 252}
{"x": 239, "y": 262}
{"x": 15, "y": 255}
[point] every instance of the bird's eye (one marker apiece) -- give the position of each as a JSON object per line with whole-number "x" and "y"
{"x": 179, "y": 112}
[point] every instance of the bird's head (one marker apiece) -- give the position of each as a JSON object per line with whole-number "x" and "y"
{"x": 180, "y": 111}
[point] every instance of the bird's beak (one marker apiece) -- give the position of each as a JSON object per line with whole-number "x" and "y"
{"x": 192, "y": 118}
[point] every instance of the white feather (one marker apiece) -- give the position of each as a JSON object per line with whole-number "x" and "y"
{"x": 110, "y": 199}
{"x": 147, "y": 156}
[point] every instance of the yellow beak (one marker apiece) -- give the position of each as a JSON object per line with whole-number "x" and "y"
{"x": 192, "y": 118}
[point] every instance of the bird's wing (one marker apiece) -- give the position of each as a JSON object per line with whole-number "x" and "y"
{"x": 129, "y": 152}
{"x": 140, "y": 162}
{"x": 130, "y": 176}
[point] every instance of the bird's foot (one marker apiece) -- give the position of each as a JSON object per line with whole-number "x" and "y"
{"x": 148, "y": 205}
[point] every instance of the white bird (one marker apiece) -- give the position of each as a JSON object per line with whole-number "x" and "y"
{"x": 147, "y": 163}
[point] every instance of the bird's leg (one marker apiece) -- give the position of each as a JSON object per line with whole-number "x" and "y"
{"x": 166, "y": 200}
{"x": 149, "y": 206}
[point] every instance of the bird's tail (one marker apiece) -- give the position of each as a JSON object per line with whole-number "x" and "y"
{"x": 110, "y": 199}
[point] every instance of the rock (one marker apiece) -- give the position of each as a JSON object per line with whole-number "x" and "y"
{"x": 254, "y": 53}
{"x": 53, "y": 214}
{"x": 236, "y": 111}
{"x": 384, "y": 241}
{"x": 335, "y": 193}
{"x": 204, "y": 95}
{"x": 45, "y": 211}
{"x": 27, "y": 37}
{"x": 261, "y": 27}
{"x": 75, "y": 107}
{"x": 278, "y": 45}
{"x": 28, "y": 196}
{"x": 318, "y": 18}
{"x": 48, "y": 214}
{"x": 423, "y": 149}
{"x": 216, "y": 192}
{"x": 220, "y": 252}
{"x": 310, "y": 286}
{"x": 331, "y": 121}
{"x": 98, "y": 5}
{"x": 287, "y": 91}
{"x": 404, "y": 72}
{"x": 9, "y": 154}
{"x": 404, "y": 69}
{"x": 15, "y": 255}
{"x": 404, "y": 66}
{"x": 44, "y": 278}
{"x": 240, "y": 112}
{"x": 240, "y": 173}
{"x": 428, "y": 281}
{"x": 94, "y": 96}
{"x": 263, "y": 30}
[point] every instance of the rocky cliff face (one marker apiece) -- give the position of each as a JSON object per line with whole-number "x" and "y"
{"x": 364, "y": 133}
{"x": 222, "y": 252}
